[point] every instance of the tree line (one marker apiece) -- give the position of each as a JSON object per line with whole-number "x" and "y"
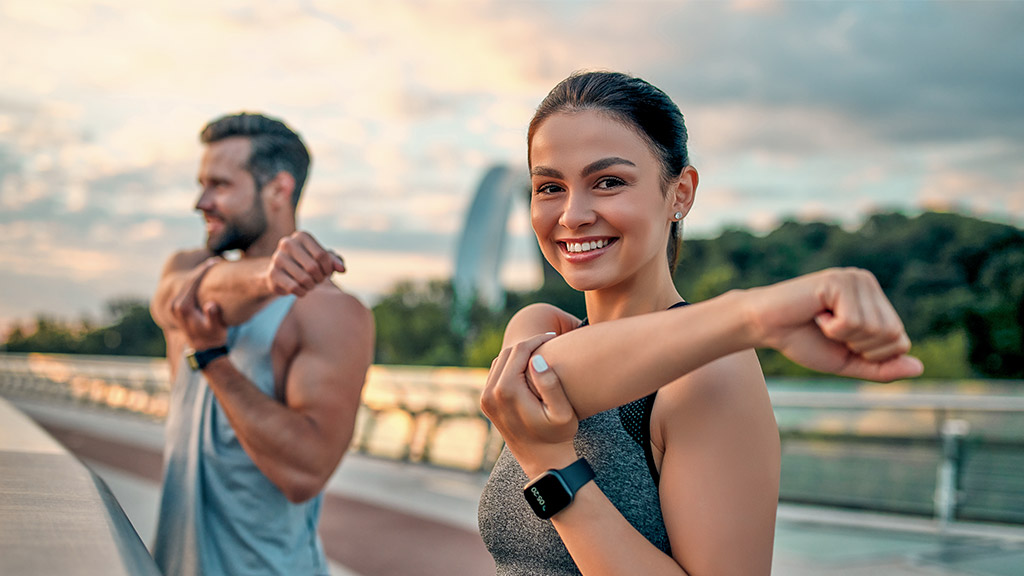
{"x": 957, "y": 282}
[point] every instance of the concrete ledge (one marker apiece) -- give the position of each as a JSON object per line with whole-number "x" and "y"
{"x": 56, "y": 516}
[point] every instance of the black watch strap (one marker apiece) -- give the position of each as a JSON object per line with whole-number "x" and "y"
{"x": 200, "y": 359}
{"x": 577, "y": 474}
{"x": 553, "y": 491}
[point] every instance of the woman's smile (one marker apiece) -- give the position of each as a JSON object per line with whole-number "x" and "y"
{"x": 598, "y": 201}
{"x": 578, "y": 250}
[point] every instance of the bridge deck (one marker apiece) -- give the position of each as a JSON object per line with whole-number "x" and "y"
{"x": 429, "y": 515}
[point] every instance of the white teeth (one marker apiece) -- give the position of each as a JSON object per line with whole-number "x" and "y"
{"x": 577, "y": 247}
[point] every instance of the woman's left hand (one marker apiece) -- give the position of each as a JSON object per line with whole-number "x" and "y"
{"x": 524, "y": 399}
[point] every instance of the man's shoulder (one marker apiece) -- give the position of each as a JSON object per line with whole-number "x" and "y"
{"x": 328, "y": 303}
{"x": 333, "y": 323}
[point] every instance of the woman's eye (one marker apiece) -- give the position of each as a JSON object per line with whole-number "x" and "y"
{"x": 610, "y": 182}
{"x": 547, "y": 189}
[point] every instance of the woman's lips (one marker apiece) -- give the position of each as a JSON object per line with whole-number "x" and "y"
{"x": 584, "y": 249}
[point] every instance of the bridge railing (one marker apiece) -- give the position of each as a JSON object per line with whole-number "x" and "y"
{"x": 416, "y": 414}
{"x": 136, "y": 385}
{"x": 56, "y": 516}
{"x": 951, "y": 452}
{"x": 953, "y": 456}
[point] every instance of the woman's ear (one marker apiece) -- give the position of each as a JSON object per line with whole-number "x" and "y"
{"x": 684, "y": 191}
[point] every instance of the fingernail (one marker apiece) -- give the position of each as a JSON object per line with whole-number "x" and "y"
{"x": 539, "y": 364}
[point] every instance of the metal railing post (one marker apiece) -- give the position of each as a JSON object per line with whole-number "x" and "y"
{"x": 947, "y": 485}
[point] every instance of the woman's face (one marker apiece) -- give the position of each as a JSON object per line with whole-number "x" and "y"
{"x": 597, "y": 204}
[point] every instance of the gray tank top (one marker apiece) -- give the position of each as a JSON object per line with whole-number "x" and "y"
{"x": 617, "y": 444}
{"x": 218, "y": 513}
{"x": 524, "y": 545}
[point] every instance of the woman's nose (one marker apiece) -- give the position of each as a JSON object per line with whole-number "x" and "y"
{"x": 577, "y": 211}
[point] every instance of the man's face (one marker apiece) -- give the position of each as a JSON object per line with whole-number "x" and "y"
{"x": 229, "y": 201}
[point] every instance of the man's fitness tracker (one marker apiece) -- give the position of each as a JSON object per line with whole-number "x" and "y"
{"x": 552, "y": 491}
{"x": 198, "y": 360}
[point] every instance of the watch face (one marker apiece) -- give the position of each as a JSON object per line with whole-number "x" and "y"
{"x": 548, "y": 495}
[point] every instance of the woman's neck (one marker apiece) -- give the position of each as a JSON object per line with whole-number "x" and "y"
{"x": 631, "y": 298}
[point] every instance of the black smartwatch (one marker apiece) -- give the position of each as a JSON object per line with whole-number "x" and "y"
{"x": 198, "y": 360}
{"x": 552, "y": 491}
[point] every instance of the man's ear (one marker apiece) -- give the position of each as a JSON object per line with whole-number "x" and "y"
{"x": 684, "y": 191}
{"x": 278, "y": 192}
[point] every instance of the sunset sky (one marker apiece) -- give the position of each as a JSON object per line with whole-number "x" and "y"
{"x": 807, "y": 110}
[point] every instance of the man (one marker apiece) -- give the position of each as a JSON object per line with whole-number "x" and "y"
{"x": 261, "y": 412}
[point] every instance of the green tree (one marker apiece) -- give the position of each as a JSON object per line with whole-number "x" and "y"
{"x": 485, "y": 347}
{"x": 414, "y": 325}
{"x": 956, "y": 281}
{"x": 48, "y": 335}
{"x": 129, "y": 332}
{"x": 132, "y": 333}
{"x": 996, "y": 325}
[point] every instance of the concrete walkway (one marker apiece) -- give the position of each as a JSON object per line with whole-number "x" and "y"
{"x": 389, "y": 518}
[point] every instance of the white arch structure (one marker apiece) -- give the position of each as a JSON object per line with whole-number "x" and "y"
{"x": 481, "y": 250}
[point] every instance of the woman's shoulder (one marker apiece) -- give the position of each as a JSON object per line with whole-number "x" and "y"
{"x": 726, "y": 387}
{"x": 721, "y": 408}
{"x": 720, "y": 382}
{"x": 538, "y": 319}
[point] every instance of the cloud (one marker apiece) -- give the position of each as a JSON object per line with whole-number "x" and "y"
{"x": 793, "y": 109}
{"x": 372, "y": 273}
{"x": 972, "y": 192}
{"x": 383, "y": 239}
{"x": 902, "y": 71}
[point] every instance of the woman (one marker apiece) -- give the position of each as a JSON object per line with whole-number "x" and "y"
{"x": 662, "y": 405}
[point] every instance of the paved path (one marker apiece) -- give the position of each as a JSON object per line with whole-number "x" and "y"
{"x": 388, "y": 518}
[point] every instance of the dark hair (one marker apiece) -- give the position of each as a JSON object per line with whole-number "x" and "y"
{"x": 637, "y": 104}
{"x": 275, "y": 147}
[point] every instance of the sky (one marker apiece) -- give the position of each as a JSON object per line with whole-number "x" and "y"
{"x": 796, "y": 110}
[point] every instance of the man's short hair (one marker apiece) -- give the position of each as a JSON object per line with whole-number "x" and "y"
{"x": 275, "y": 147}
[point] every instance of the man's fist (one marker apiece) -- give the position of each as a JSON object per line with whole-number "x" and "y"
{"x": 300, "y": 263}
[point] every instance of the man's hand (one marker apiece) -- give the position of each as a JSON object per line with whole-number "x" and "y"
{"x": 202, "y": 326}
{"x": 300, "y": 263}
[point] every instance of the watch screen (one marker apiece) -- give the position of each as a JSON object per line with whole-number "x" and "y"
{"x": 547, "y": 495}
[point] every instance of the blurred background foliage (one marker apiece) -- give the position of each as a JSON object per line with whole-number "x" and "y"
{"x": 126, "y": 330}
{"x": 957, "y": 282}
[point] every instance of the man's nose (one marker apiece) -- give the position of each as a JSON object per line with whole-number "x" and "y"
{"x": 205, "y": 201}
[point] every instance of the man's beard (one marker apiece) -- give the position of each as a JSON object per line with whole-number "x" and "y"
{"x": 240, "y": 233}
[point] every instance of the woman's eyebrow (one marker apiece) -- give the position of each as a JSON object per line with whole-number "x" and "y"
{"x": 605, "y": 163}
{"x": 589, "y": 169}
{"x": 545, "y": 171}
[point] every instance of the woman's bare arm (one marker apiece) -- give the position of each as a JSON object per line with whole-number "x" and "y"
{"x": 836, "y": 321}
{"x": 715, "y": 439}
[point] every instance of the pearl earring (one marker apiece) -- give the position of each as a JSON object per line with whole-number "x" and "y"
{"x": 678, "y": 216}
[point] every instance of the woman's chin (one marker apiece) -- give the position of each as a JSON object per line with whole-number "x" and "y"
{"x": 584, "y": 283}
{"x": 584, "y": 277}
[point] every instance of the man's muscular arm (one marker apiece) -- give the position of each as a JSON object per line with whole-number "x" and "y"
{"x": 240, "y": 288}
{"x": 179, "y": 271}
{"x": 298, "y": 444}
